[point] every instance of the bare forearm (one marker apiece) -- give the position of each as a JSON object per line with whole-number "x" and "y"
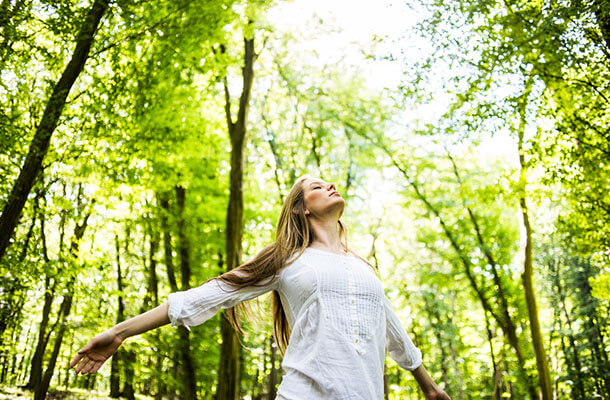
{"x": 144, "y": 322}
{"x": 424, "y": 379}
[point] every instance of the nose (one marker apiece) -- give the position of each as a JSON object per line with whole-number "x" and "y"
{"x": 331, "y": 186}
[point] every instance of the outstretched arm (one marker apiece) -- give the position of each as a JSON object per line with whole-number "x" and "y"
{"x": 144, "y": 322}
{"x": 427, "y": 385}
{"x": 188, "y": 308}
{"x": 99, "y": 349}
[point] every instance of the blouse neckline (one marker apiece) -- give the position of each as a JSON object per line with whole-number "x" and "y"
{"x": 329, "y": 252}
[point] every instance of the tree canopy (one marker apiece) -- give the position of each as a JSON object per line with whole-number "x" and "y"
{"x": 147, "y": 147}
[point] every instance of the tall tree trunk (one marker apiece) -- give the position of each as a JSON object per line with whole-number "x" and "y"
{"x": 437, "y": 328}
{"x": 502, "y": 316}
{"x": 115, "y": 370}
{"x": 189, "y": 390}
{"x": 256, "y": 392}
{"x": 592, "y": 330}
{"x": 496, "y": 377}
{"x": 49, "y": 295}
{"x": 40, "y": 392}
{"x": 485, "y": 247}
{"x": 163, "y": 199}
{"x": 12, "y": 304}
{"x": 128, "y": 358}
{"x": 64, "y": 311}
{"x": 571, "y": 354}
{"x": 229, "y": 369}
{"x": 544, "y": 375}
{"x": 167, "y": 240}
{"x": 71, "y": 350}
{"x": 37, "y": 359}
{"x": 458, "y": 378}
{"x": 151, "y": 300}
{"x": 17, "y": 371}
{"x": 40, "y": 143}
{"x": 272, "y": 376}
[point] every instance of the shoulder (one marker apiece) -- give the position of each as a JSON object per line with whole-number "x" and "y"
{"x": 295, "y": 257}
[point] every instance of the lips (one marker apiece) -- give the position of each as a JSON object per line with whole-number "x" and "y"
{"x": 333, "y": 193}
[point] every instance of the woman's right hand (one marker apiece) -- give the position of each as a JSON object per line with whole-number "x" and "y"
{"x": 96, "y": 352}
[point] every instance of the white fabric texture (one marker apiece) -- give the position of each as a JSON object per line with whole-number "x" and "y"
{"x": 341, "y": 322}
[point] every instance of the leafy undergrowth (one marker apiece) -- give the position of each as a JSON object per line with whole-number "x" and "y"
{"x": 17, "y": 393}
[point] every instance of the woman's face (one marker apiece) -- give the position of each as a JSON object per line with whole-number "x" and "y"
{"x": 322, "y": 198}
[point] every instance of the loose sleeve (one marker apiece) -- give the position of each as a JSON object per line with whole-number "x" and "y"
{"x": 195, "y": 306}
{"x": 401, "y": 348}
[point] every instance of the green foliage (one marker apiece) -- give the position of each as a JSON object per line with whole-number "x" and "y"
{"x": 431, "y": 196}
{"x": 600, "y": 286}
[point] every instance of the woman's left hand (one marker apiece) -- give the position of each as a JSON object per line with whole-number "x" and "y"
{"x": 437, "y": 394}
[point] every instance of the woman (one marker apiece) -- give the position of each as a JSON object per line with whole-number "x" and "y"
{"x": 332, "y": 320}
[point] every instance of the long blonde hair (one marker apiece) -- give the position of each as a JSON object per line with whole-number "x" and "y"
{"x": 293, "y": 235}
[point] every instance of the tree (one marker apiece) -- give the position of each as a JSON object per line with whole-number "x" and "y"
{"x": 229, "y": 371}
{"x": 40, "y": 142}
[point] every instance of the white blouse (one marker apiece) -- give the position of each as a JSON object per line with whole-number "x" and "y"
{"x": 341, "y": 323}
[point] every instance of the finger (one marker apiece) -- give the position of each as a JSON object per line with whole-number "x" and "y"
{"x": 97, "y": 366}
{"x": 78, "y": 364}
{"x": 85, "y": 367}
{"x": 75, "y": 360}
{"x": 83, "y": 364}
{"x": 80, "y": 354}
{"x": 88, "y": 367}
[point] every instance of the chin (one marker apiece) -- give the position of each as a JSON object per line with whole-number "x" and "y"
{"x": 342, "y": 208}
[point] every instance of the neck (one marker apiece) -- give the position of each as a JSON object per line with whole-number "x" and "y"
{"x": 326, "y": 233}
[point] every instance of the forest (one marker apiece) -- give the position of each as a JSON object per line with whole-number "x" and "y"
{"x": 146, "y": 147}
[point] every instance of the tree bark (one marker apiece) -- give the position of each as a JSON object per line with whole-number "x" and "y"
{"x": 128, "y": 360}
{"x": 167, "y": 241}
{"x": 189, "y": 390}
{"x": 229, "y": 369}
{"x": 129, "y": 357}
{"x": 37, "y": 359}
{"x": 40, "y": 143}
{"x": 592, "y": 330}
{"x": 544, "y": 375}
{"x": 151, "y": 300}
{"x": 115, "y": 371}
{"x": 64, "y": 311}
{"x": 12, "y": 299}
{"x": 40, "y": 392}
{"x": 163, "y": 199}
{"x": 49, "y": 295}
